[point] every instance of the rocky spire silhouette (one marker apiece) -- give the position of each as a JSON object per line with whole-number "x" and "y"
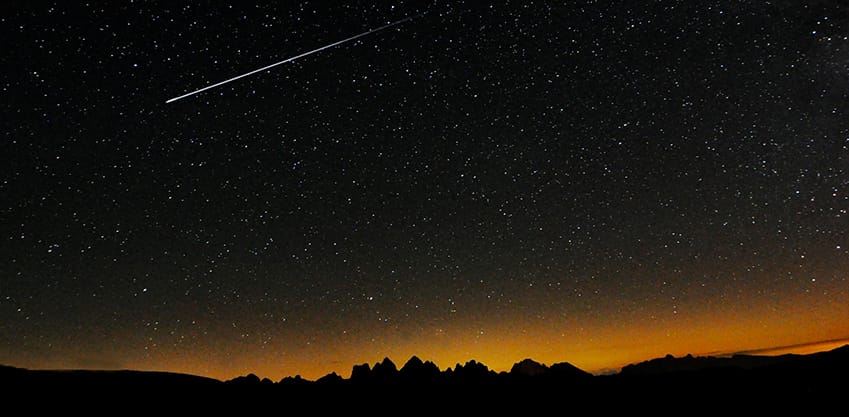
{"x": 385, "y": 370}
{"x": 472, "y": 371}
{"x": 361, "y": 373}
{"x": 528, "y": 367}
{"x": 417, "y": 371}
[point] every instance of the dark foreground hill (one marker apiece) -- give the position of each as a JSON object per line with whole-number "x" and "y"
{"x": 663, "y": 385}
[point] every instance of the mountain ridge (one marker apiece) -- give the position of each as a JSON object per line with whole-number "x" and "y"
{"x": 387, "y": 368}
{"x": 717, "y": 383}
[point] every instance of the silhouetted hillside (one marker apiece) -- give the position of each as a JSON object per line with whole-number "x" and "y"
{"x": 755, "y": 381}
{"x": 95, "y": 379}
{"x": 759, "y": 382}
{"x": 96, "y": 392}
{"x": 670, "y": 363}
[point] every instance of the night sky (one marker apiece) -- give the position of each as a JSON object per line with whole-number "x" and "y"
{"x": 596, "y": 182}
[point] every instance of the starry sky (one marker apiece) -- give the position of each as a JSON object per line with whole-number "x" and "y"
{"x": 592, "y": 182}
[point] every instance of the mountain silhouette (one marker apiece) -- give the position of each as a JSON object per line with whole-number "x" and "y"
{"x": 528, "y": 367}
{"x": 670, "y": 363}
{"x": 754, "y": 381}
{"x": 417, "y": 372}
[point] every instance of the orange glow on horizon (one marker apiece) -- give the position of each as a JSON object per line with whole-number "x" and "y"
{"x": 599, "y": 350}
{"x": 596, "y": 343}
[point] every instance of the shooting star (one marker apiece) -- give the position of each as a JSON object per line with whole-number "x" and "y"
{"x": 406, "y": 19}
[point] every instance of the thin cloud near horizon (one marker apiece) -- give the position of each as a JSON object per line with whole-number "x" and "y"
{"x": 844, "y": 340}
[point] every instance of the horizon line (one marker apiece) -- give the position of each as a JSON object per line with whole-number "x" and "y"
{"x": 602, "y": 371}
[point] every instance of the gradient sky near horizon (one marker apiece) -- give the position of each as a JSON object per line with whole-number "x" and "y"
{"x": 597, "y": 183}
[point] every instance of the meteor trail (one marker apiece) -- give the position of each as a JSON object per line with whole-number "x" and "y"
{"x": 295, "y": 57}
